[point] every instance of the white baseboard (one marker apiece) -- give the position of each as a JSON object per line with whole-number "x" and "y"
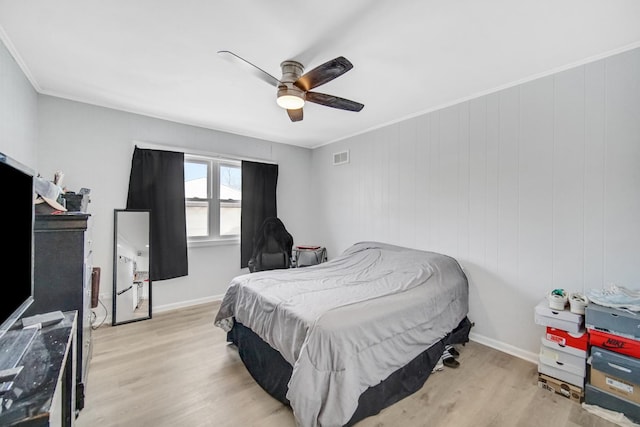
{"x": 505, "y": 348}
{"x": 156, "y": 309}
{"x": 184, "y": 304}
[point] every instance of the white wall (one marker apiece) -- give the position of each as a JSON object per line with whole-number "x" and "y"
{"x": 18, "y": 112}
{"x": 532, "y": 188}
{"x": 93, "y": 146}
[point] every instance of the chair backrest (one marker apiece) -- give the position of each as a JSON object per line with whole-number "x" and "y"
{"x": 272, "y": 247}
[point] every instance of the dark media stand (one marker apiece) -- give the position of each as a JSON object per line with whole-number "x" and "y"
{"x": 43, "y": 391}
{"x": 62, "y": 280}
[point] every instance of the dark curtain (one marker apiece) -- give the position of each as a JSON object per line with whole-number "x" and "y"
{"x": 259, "y": 181}
{"x": 157, "y": 183}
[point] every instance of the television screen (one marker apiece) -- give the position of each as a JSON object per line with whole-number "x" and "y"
{"x": 16, "y": 292}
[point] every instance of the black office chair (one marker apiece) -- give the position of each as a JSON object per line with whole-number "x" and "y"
{"x": 272, "y": 246}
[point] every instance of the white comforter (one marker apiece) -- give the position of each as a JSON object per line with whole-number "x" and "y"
{"x": 347, "y": 324}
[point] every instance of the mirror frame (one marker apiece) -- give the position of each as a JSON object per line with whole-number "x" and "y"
{"x": 114, "y": 320}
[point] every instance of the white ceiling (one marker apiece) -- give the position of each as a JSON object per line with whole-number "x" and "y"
{"x": 158, "y": 57}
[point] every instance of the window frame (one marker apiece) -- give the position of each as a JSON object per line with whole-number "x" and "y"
{"x": 212, "y": 200}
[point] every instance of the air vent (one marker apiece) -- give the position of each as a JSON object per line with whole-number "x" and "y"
{"x": 341, "y": 158}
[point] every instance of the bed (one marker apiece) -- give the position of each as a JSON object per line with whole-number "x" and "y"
{"x": 341, "y": 340}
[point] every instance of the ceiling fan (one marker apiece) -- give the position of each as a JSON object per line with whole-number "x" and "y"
{"x": 294, "y": 88}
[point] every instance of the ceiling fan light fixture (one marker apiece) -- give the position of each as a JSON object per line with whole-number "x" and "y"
{"x": 290, "y": 102}
{"x": 290, "y": 97}
{"x": 294, "y": 88}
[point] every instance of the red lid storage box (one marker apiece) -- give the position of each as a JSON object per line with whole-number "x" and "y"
{"x": 616, "y": 343}
{"x": 564, "y": 338}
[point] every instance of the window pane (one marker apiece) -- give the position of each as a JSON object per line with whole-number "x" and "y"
{"x": 212, "y": 212}
{"x": 197, "y": 214}
{"x": 229, "y": 219}
{"x": 230, "y": 183}
{"x": 195, "y": 180}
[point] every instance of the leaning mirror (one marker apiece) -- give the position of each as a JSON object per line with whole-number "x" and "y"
{"x": 131, "y": 261}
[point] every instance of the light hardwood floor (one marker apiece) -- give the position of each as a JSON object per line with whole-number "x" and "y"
{"x": 176, "y": 369}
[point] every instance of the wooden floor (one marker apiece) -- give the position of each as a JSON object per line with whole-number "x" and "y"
{"x": 176, "y": 369}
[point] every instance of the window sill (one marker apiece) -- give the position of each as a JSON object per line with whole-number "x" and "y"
{"x": 217, "y": 242}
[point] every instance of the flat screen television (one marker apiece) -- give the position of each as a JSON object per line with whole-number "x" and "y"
{"x": 16, "y": 262}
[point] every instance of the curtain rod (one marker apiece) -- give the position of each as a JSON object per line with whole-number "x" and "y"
{"x": 154, "y": 146}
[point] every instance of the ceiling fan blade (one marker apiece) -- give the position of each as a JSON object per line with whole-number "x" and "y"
{"x": 295, "y": 115}
{"x": 324, "y": 73}
{"x": 253, "y": 69}
{"x": 333, "y": 101}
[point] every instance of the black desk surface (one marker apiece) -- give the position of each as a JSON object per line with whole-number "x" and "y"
{"x": 30, "y": 399}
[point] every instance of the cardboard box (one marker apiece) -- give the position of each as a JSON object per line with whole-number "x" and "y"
{"x": 620, "y": 366}
{"x": 615, "y": 385}
{"x": 612, "y": 342}
{"x": 578, "y": 353}
{"x": 595, "y": 396}
{"x": 561, "y": 374}
{"x": 559, "y": 319}
{"x": 613, "y": 321}
{"x": 567, "y": 361}
{"x": 560, "y": 387}
{"x": 565, "y": 339}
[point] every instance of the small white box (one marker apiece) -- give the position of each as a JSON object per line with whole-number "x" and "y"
{"x": 560, "y": 319}
{"x": 578, "y": 353}
{"x": 564, "y": 361}
{"x": 569, "y": 377}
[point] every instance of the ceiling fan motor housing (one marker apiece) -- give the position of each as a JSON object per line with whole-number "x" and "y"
{"x": 291, "y": 71}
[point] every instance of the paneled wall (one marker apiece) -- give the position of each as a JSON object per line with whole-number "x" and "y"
{"x": 531, "y": 188}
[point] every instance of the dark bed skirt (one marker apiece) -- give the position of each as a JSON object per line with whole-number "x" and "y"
{"x": 272, "y": 372}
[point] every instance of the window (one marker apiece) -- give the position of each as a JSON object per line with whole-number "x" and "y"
{"x": 213, "y": 195}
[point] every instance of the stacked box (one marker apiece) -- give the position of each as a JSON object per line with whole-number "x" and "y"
{"x": 563, "y": 351}
{"x": 559, "y": 319}
{"x": 594, "y": 396}
{"x": 617, "y": 343}
{"x": 567, "y": 364}
{"x": 562, "y": 388}
{"x": 612, "y": 320}
{"x": 562, "y": 338}
{"x": 614, "y": 374}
